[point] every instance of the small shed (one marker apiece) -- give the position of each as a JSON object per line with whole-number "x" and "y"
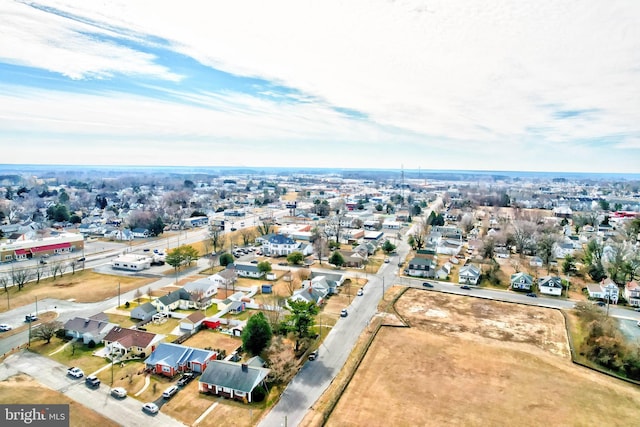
{"x": 211, "y": 323}
{"x": 267, "y": 288}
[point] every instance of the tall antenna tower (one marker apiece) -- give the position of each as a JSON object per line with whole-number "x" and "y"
{"x": 402, "y": 183}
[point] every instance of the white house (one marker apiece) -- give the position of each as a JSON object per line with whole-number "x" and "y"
{"x": 632, "y": 293}
{"x": 550, "y": 285}
{"x": 203, "y": 287}
{"x": 604, "y": 290}
{"x": 469, "y": 275}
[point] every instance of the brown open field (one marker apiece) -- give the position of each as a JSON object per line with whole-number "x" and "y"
{"x": 213, "y": 339}
{"x": 23, "y": 389}
{"x": 466, "y": 361}
{"x": 83, "y": 286}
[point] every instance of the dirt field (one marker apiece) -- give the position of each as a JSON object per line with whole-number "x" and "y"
{"x": 83, "y": 286}
{"x": 22, "y": 388}
{"x": 478, "y": 363}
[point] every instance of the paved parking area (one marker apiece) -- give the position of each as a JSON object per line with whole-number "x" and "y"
{"x": 127, "y": 412}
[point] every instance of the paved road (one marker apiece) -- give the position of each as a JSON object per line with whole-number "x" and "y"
{"x": 315, "y": 376}
{"x": 127, "y": 412}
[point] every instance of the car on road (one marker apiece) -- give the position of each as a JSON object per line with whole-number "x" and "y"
{"x": 636, "y": 309}
{"x": 386, "y": 260}
{"x": 119, "y": 392}
{"x": 185, "y": 379}
{"x": 532, "y": 295}
{"x": 427, "y": 285}
{"x": 75, "y": 372}
{"x": 638, "y": 324}
{"x": 360, "y": 292}
{"x": 92, "y": 381}
{"x": 255, "y": 261}
{"x": 170, "y": 392}
{"x": 284, "y": 264}
{"x": 313, "y": 355}
{"x": 150, "y": 408}
{"x": 42, "y": 261}
{"x": 344, "y": 312}
{"x": 4, "y": 327}
{"x": 233, "y": 229}
{"x": 30, "y": 318}
{"x": 465, "y": 287}
{"x": 600, "y": 304}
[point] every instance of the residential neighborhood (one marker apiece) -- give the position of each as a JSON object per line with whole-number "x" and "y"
{"x": 191, "y": 285}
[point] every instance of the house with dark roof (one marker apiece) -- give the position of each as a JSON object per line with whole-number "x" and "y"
{"x": 124, "y": 341}
{"x": 521, "y": 281}
{"x": 143, "y": 312}
{"x": 204, "y": 289}
{"x": 174, "y": 300}
{"x": 422, "y": 267}
{"x": 170, "y": 359}
{"x": 192, "y": 321}
{"x": 87, "y": 329}
{"x": 232, "y": 380}
{"x": 550, "y": 285}
{"x": 247, "y": 270}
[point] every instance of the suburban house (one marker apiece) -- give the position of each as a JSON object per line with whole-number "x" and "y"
{"x": 193, "y": 321}
{"x": 140, "y": 232}
{"x": 231, "y": 380}
{"x": 174, "y": 300}
{"x": 143, "y": 312}
{"x": 353, "y": 259}
{"x": 224, "y": 278}
{"x": 124, "y": 341}
{"x": 281, "y": 245}
{"x": 232, "y": 305}
{"x": 521, "y": 281}
{"x": 632, "y": 293}
{"x": 535, "y": 261}
{"x": 550, "y": 285}
{"x": 422, "y": 267}
{"x": 563, "y": 249}
{"x": 247, "y": 270}
{"x": 87, "y": 329}
{"x": 449, "y": 247}
{"x": 444, "y": 271}
{"x": 469, "y": 275}
{"x": 204, "y": 289}
{"x": 315, "y": 290}
{"x": 170, "y": 359}
{"x": 605, "y": 290}
{"x": 334, "y": 281}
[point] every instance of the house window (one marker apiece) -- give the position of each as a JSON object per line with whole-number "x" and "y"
{"x": 166, "y": 369}
{"x": 227, "y": 390}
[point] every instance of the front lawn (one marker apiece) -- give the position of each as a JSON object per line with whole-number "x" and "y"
{"x": 73, "y": 354}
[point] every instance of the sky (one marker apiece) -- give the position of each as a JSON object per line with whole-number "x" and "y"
{"x": 465, "y": 85}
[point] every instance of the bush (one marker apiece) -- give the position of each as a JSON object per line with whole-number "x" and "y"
{"x": 127, "y": 305}
{"x": 91, "y": 344}
{"x": 60, "y": 333}
{"x": 258, "y": 394}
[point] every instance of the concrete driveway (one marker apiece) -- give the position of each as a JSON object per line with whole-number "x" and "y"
{"x": 127, "y": 412}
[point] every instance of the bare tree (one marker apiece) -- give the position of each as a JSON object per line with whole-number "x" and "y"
{"x": 149, "y": 292}
{"x": 197, "y": 296}
{"x": 247, "y": 236}
{"x": 216, "y": 237}
{"x": 319, "y": 244}
{"x": 267, "y": 227}
{"x": 523, "y": 235}
{"x": 292, "y": 282}
{"x": 281, "y": 361}
{"x": 20, "y": 277}
{"x": 46, "y": 331}
{"x": 137, "y": 295}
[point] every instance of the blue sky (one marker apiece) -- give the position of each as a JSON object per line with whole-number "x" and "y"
{"x": 496, "y": 85}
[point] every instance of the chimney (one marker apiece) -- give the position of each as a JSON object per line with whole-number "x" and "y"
{"x": 245, "y": 367}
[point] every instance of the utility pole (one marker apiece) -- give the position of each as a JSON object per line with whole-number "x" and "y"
{"x": 118, "y": 294}
{"x": 382, "y": 287}
{"x": 36, "y": 306}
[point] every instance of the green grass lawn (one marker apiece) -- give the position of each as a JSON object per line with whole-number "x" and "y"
{"x": 80, "y": 356}
{"x": 122, "y": 321}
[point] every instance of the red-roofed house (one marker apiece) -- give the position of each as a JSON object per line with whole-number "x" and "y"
{"x": 125, "y": 341}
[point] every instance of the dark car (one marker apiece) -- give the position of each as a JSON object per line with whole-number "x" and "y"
{"x": 427, "y": 285}
{"x": 92, "y": 381}
{"x": 465, "y": 287}
{"x": 185, "y": 379}
{"x": 30, "y": 318}
{"x": 532, "y": 295}
{"x": 600, "y": 304}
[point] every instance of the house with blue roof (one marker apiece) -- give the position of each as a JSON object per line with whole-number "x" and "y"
{"x": 169, "y": 359}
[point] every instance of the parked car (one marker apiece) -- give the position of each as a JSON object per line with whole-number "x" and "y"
{"x": 30, "y": 318}
{"x": 4, "y": 327}
{"x": 185, "y": 379}
{"x": 170, "y": 392}
{"x": 344, "y": 312}
{"x": 427, "y": 285}
{"x": 92, "y": 381}
{"x": 465, "y": 287}
{"x": 360, "y": 292}
{"x": 313, "y": 355}
{"x": 386, "y": 260}
{"x": 532, "y": 295}
{"x": 119, "y": 392}
{"x": 75, "y": 372}
{"x": 600, "y": 304}
{"x": 150, "y": 408}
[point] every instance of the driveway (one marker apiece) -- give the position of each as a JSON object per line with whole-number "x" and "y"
{"x": 127, "y": 412}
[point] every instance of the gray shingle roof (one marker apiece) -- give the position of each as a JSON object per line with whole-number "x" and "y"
{"x": 231, "y": 375}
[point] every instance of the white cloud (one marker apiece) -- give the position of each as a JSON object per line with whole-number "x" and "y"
{"x": 486, "y": 78}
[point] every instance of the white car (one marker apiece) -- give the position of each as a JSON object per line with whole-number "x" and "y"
{"x": 360, "y": 292}
{"x": 75, "y": 372}
{"x": 4, "y": 327}
{"x": 119, "y": 392}
{"x": 150, "y": 407}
